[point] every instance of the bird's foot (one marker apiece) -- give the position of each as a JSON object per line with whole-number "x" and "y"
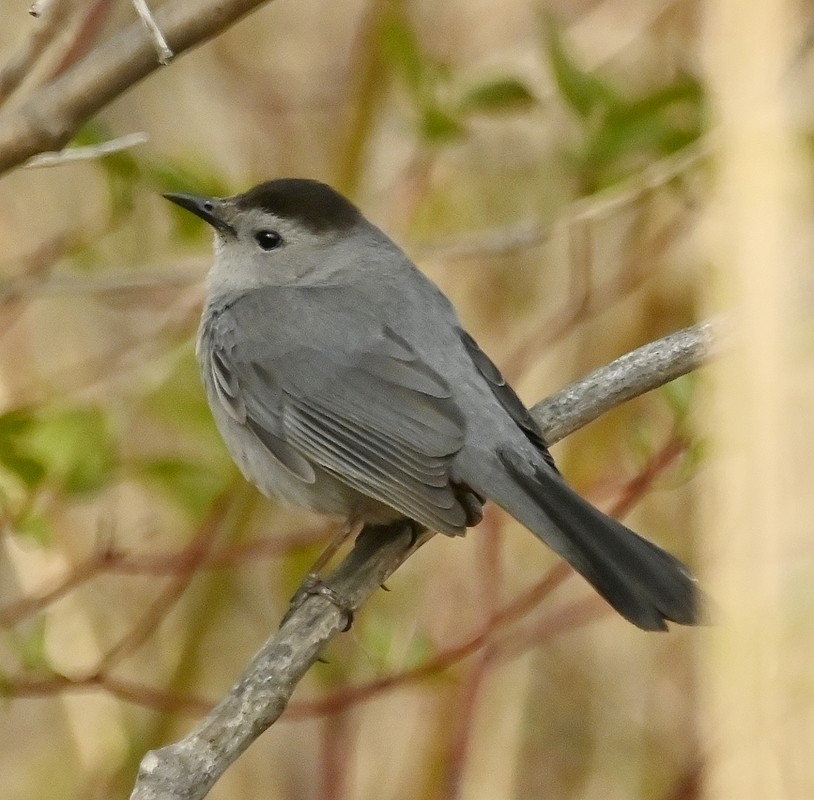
{"x": 313, "y": 585}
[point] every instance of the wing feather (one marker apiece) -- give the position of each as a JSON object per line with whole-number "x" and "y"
{"x": 341, "y": 391}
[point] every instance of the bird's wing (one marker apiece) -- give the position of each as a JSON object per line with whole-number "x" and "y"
{"x": 321, "y": 382}
{"x": 506, "y": 396}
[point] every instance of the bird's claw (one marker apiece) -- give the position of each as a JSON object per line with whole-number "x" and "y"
{"x": 313, "y": 585}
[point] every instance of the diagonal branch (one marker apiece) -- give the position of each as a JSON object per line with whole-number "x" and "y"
{"x": 629, "y": 376}
{"x": 52, "y": 17}
{"x": 52, "y": 114}
{"x": 162, "y": 49}
{"x": 187, "y": 770}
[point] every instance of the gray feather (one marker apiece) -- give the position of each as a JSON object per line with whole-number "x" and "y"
{"x": 641, "y": 581}
{"x": 362, "y": 404}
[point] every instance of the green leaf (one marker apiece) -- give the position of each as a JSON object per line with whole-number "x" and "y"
{"x": 14, "y": 455}
{"x": 180, "y": 400}
{"x": 121, "y": 168}
{"x": 400, "y": 47}
{"x": 192, "y": 176}
{"x": 583, "y": 91}
{"x": 679, "y": 394}
{"x": 30, "y": 647}
{"x": 15, "y": 421}
{"x": 439, "y": 126}
{"x": 33, "y": 526}
{"x": 684, "y": 91}
{"x": 658, "y": 124}
{"x": 91, "y": 133}
{"x": 77, "y": 448}
{"x": 193, "y": 486}
{"x": 30, "y": 471}
{"x": 499, "y": 96}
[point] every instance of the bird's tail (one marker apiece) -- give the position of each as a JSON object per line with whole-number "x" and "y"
{"x": 644, "y": 583}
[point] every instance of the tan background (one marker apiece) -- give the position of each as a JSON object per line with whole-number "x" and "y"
{"x": 556, "y": 269}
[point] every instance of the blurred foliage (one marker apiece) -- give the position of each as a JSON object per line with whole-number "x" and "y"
{"x": 616, "y": 132}
{"x": 70, "y": 450}
{"x": 28, "y": 644}
{"x": 192, "y": 485}
{"x": 144, "y": 451}
{"x": 180, "y": 402}
{"x": 179, "y": 405}
{"x": 441, "y": 106}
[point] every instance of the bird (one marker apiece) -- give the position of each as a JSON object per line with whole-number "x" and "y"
{"x": 342, "y": 380}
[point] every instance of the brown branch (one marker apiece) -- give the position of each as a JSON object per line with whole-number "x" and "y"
{"x": 82, "y": 41}
{"x": 190, "y": 767}
{"x": 189, "y": 559}
{"x": 354, "y": 695}
{"x": 128, "y": 691}
{"x": 106, "y": 560}
{"x": 568, "y": 618}
{"x": 13, "y": 612}
{"x": 51, "y": 18}
{"x": 52, "y": 114}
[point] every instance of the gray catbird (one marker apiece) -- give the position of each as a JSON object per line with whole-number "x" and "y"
{"x": 341, "y": 380}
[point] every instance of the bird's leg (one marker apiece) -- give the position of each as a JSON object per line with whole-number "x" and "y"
{"x": 350, "y": 528}
{"x": 313, "y": 584}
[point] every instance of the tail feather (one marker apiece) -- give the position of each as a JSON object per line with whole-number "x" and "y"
{"x": 644, "y": 583}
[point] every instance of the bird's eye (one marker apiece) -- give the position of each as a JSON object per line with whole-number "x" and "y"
{"x": 268, "y": 240}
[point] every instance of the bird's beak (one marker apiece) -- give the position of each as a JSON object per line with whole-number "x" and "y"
{"x": 209, "y": 209}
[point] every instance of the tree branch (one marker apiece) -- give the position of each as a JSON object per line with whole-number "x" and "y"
{"x": 631, "y": 375}
{"x": 52, "y": 17}
{"x": 162, "y": 49}
{"x": 187, "y": 769}
{"x": 51, "y": 116}
{"x": 89, "y": 152}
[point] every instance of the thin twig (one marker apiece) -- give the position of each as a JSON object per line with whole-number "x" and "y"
{"x": 532, "y": 233}
{"x": 39, "y": 8}
{"x": 189, "y": 768}
{"x": 163, "y": 50}
{"x": 492, "y": 634}
{"x": 51, "y": 115}
{"x": 88, "y": 153}
{"x": 19, "y": 66}
{"x": 351, "y": 696}
{"x": 500, "y": 618}
{"x": 95, "y": 14}
{"x": 121, "y": 688}
{"x": 17, "y": 610}
{"x": 109, "y": 561}
{"x": 191, "y": 557}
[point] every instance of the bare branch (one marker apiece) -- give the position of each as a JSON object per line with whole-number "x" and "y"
{"x": 39, "y": 8}
{"x": 161, "y": 47}
{"x": 52, "y": 18}
{"x": 48, "y": 119}
{"x": 633, "y": 374}
{"x": 87, "y": 153}
{"x": 531, "y": 233}
{"x": 113, "y": 282}
{"x": 189, "y": 768}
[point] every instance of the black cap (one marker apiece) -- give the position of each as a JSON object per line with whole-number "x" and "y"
{"x": 315, "y": 205}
